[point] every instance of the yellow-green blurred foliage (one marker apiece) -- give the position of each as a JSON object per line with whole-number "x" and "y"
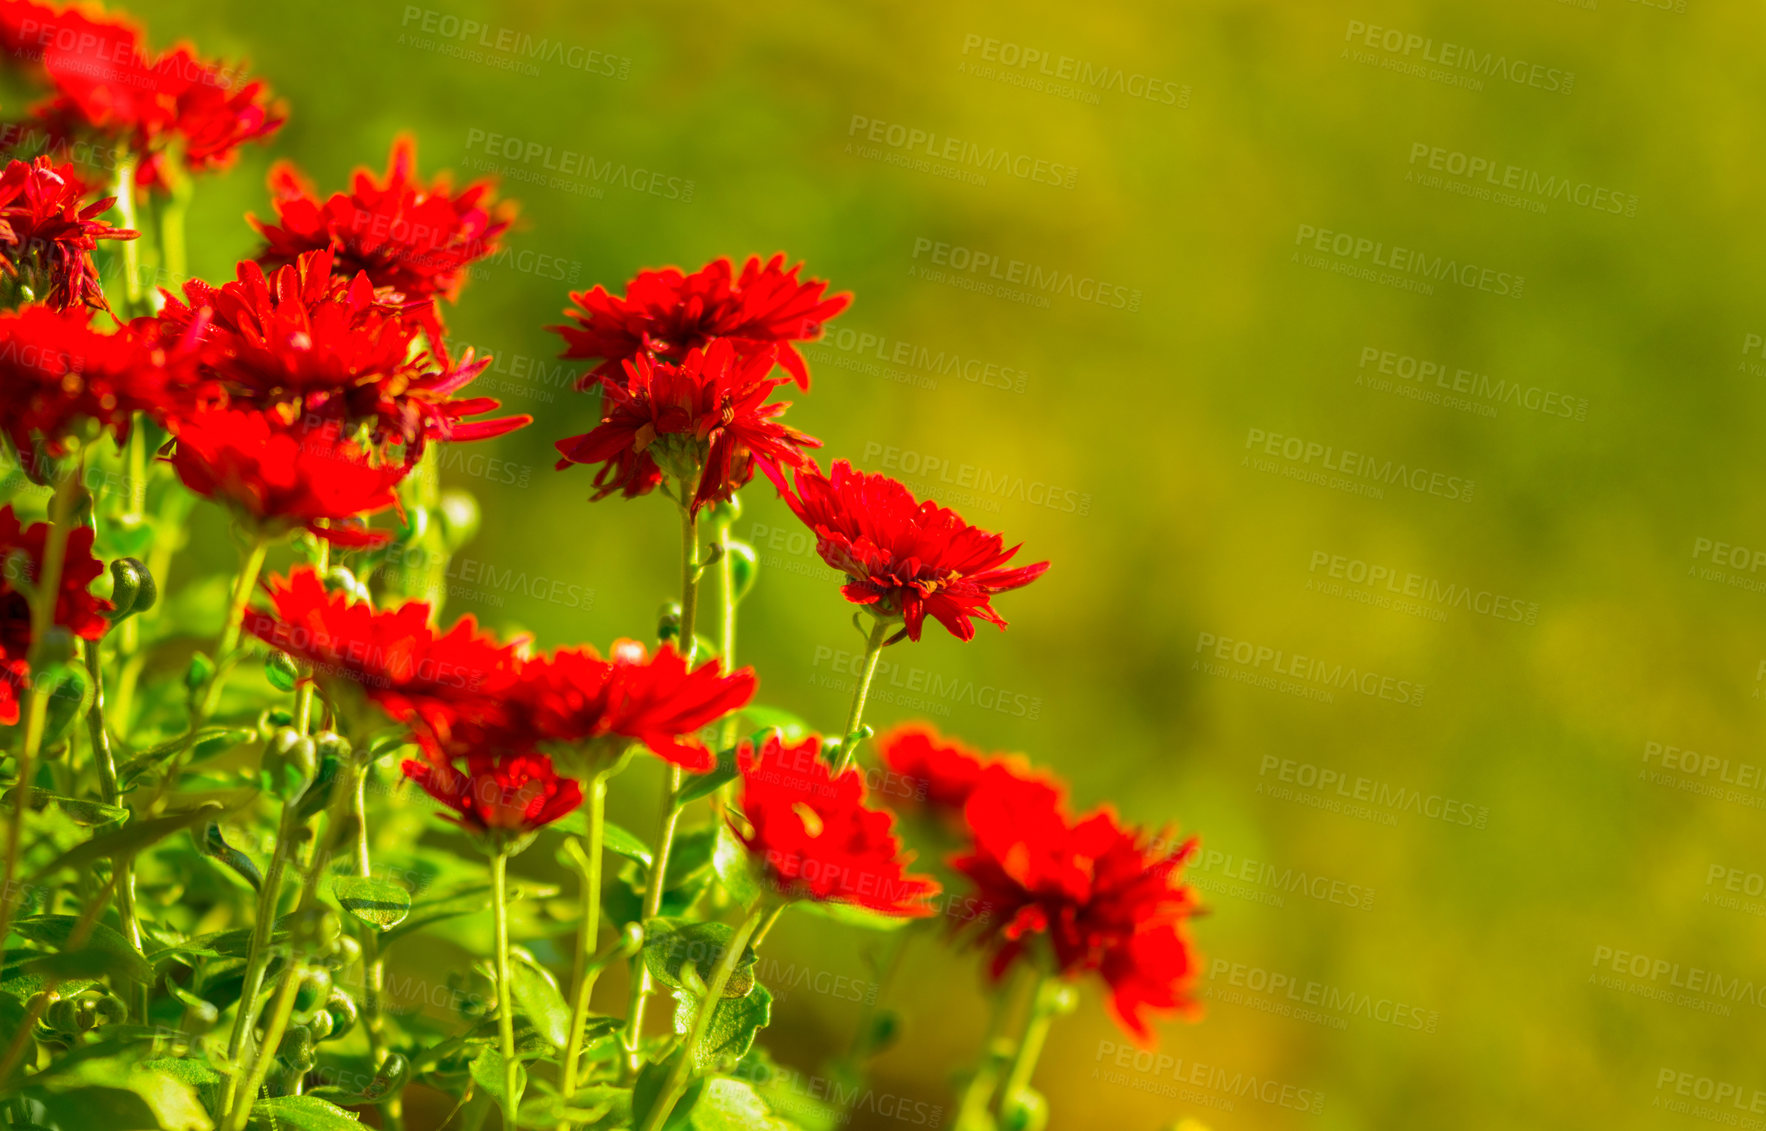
{"x": 1123, "y": 457}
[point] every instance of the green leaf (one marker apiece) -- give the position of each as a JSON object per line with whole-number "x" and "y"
{"x": 487, "y": 1073}
{"x": 215, "y": 846}
{"x": 381, "y": 903}
{"x": 735, "y": 869}
{"x": 671, "y": 945}
{"x": 706, "y": 784}
{"x": 81, "y": 811}
{"x": 302, "y": 1113}
{"x": 852, "y": 915}
{"x": 730, "y": 1104}
{"x": 541, "y": 1001}
{"x": 53, "y": 931}
{"x": 623, "y": 843}
{"x": 116, "y": 1095}
{"x": 733, "y": 1024}
{"x": 791, "y": 728}
{"x": 130, "y": 839}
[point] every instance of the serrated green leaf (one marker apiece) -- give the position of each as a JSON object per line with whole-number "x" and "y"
{"x": 302, "y": 1113}
{"x": 733, "y": 1025}
{"x": 487, "y": 1072}
{"x": 381, "y": 903}
{"x": 671, "y": 945}
{"x": 729, "y": 1104}
{"x": 215, "y": 846}
{"x": 116, "y": 1095}
{"x": 623, "y": 843}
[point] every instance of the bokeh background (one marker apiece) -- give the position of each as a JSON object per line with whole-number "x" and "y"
{"x": 1455, "y": 882}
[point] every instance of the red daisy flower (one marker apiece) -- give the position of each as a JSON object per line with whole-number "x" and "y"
{"x": 47, "y": 237}
{"x": 76, "y": 609}
{"x": 107, "y": 83}
{"x": 311, "y": 345}
{"x": 905, "y": 559}
{"x": 705, "y": 419}
{"x": 942, "y": 771}
{"x": 812, "y": 834}
{"x": 666, "y": 314}
{"x": 1101, "y": 898}
{"x": 414, "y": 240}
{"x": 574, "y": 697}
{"x": 394, "y": 658}
{"x": 283, "y": 477}
{"x": 511, "y": 795}
{"x": 56, "y": 370}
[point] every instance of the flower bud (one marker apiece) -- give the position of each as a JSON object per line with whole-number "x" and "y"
{"x": 132, "y": 588}
{"x": 280, "y": 670}
{"x": 743, "y": 566}
{"x": 668, "y": 621}
{"x": 200, "y": 671}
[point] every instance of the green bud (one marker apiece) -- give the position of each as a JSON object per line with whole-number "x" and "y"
{"x": 296, "y": 1049}
{"x": 132, "y": 589}
{"x": 1026, "y": 1111}
{"x": 200, "y": 671}
{"x": 391, "y": 1076}
{"x": 321, "y": 1025}
{"x": 330, "y": 744}
{"x": 280, "y": 670}
{"x": 347, "y": 954}
{"x": 743, "y": 566}
{"x": 62, "y": 1016}
{"x": 342, "y": 1009}
{"x": 668, "y": 621}
{"x": 415, "y": 526}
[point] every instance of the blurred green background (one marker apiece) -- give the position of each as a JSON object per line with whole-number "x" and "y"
{"x": 1423, "y": 915}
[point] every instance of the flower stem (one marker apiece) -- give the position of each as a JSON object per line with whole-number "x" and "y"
{"x": 727, "y": 638}
{"x": 505, "y": 1004}
{"x": 257, "y": 959}
{"x": 286, "y": 991}
{"x": 123, "y": 866}
{"x": 125, "y": 206}
{"x": 688, "y": 644}
{"x": 303, "y": 698}
{"x": 727, "y": 962}
{"x": 873, "y": 650}
{"x": 373, "y": 964}
{"x": 44, "y": 597}
{"x": 588, "y": 939}
{"x": 1036, "y": 1030}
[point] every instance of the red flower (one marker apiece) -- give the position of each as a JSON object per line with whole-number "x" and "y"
{"x": 665, "y": 314}
{"x": 106, "y": 83}
{"x": 394, "y": 658}
{"x": 943, "y": 770}
{"x": 284, "y": 476}
{"x": 1101, "y": 898}
{"x": 413, "y": 239}
{"x": 706, "y": 418}
{"x": 515, "y": 794}
{"x": 56, "y": 370}
{"x": 310, "y": 345}
{"x": 902, "y": 558}
{"x": 76, "y": 609}
{"x": 813, "y": 835}
{"x": 47, "y": 237}
{"x": 574, "y": 696}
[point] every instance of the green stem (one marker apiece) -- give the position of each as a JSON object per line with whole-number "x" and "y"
{"x": 978, "y": 1092}
{"x": 44, "y": 594}
{"x": 174, "y": 506}
{"x": 125, "y": 206}
{"x": 588, "y": 939}
{"x": 688, "y": 643}
{"x": 303, "y": 698}
{"x": 855, "y": 717}
{"x": 124, "y": 866}
{"x": 505, "y": 1004}
{"x": 373, "y": 965}
{"x": 286, "y": 991}
{"x": 257, "y": 959}
{"x": 685, "y": 1060}
{"x": 727, "y": 638}
{"x": 1029, "y": 1050}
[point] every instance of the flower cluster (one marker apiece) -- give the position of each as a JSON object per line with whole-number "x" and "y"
{"x": 49, "y": 230}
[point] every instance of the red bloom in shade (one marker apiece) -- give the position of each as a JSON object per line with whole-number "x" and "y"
{"x": 706, "y": 417}
{"x": 666, "y": 314}
{"x": 574, "y": 696}
{"x": 428, "y": 680}
{"x": 56, "y": 370}
{"x": 1102, "y": 898}
{"x": 47, "y": 237}
{"x": 814, "y": 837}
{"x": 509, "y": 795}
{"x": 76, "y": 609}
{"x": 285, "y": 476}
{"x": 902, "y": 558}
{"x": 412, "y": 239}
{"x": 943, "y": 771}
{"x": 106, "y": 83}
{"x": 310, "y": 345}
